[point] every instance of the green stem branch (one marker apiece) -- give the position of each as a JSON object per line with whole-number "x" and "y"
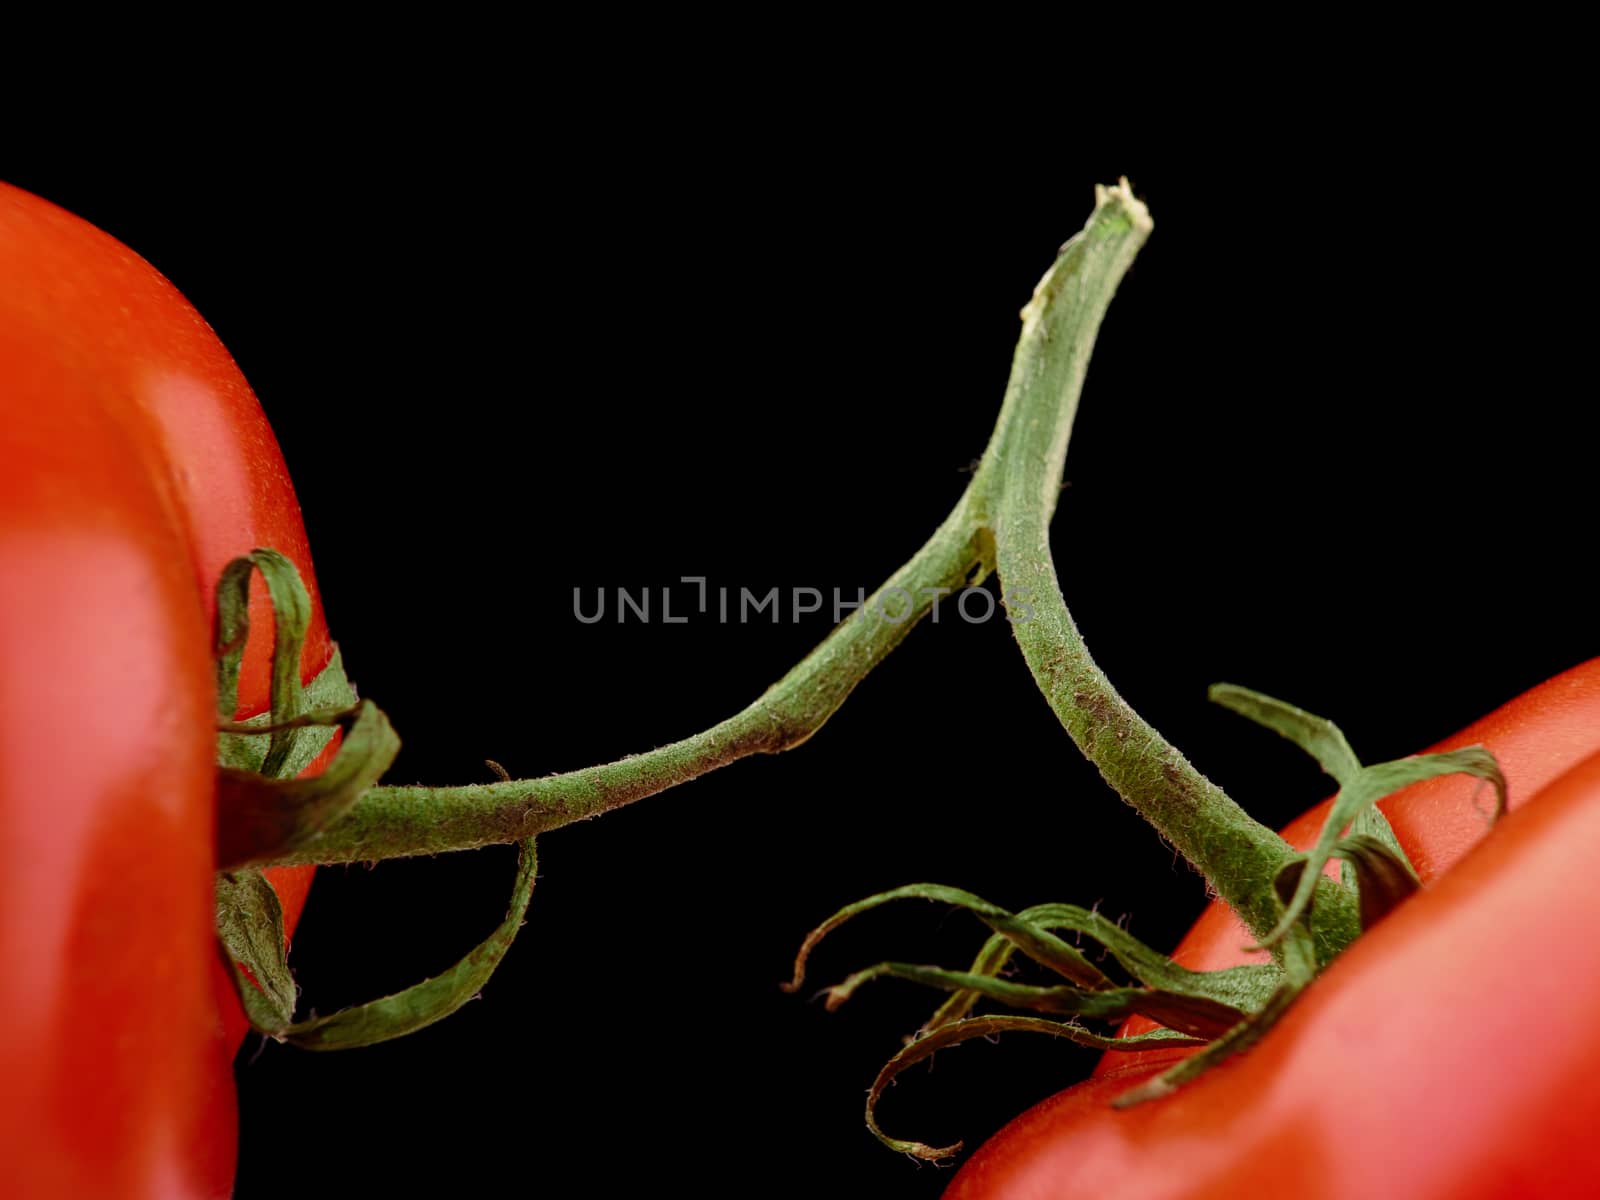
{"x": 1020, "y": 481}
{"x": 1001, "y": 523}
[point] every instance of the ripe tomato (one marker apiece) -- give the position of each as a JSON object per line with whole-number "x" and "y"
{"x": 134, "y": 464}
{"x": 1450, "y": 1052}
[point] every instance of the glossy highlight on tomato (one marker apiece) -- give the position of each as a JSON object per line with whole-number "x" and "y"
{"x": 134, "y": 464}
{"x": 1450, "y": 1052}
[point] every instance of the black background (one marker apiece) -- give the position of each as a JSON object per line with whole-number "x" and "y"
{"x": 1335, "y": 444}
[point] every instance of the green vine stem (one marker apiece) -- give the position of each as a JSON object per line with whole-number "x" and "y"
{"x": 1020, "y": 480}
{"x": 1000, "y": 523}
{"x": 393, "y": 822}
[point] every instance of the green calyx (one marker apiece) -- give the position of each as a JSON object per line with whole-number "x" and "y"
{"x": 1360, "y": 788}
{"x": 1220, "y": 1012}
{"x": 265, "y": 810}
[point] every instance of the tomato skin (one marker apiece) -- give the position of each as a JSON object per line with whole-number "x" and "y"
{"x": 110, "y": 1047}
{"x": 134, "y": 464}
{"x": 1451, "y": 1052}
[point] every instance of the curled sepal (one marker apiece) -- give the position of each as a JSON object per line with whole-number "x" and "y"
{"x": 1299, "y": 968}
{"x": 259, "y": 818}
{"x": 1317, "y": 736}
{"x": 424, "y": 1003}
{"x": 242, "y": 746}
{"x": 976, "y": 1027}
{"x": 291, "y": 616}
{"x": 1173, "y": 995}
{"x": 1242, "y": 987}
{"x": 990, "y": 960}
{"x": 1366, "y": 788}
{"x": 250, "y": 926}
{"x": 1038, "y": 944}
{"x": 1196, "y": 1015}
{"x": 1241, "y": 1037}
{"x": 1360, "y": 787}
{"x": 1383, "y": 877}
{"x": 1370, "y": 822}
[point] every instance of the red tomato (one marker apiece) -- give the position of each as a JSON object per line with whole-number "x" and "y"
{"x": 134, "y": 464}
{"x": 1451, "y": 1051}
